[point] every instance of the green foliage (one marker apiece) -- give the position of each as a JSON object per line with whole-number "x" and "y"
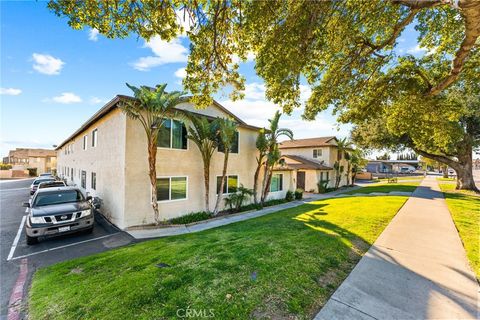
{"x": 5, "y": 166}
{"x": 32, "y": 172}
{"x": 235, "y": 200}
{"x": 322, "y": 186}
{"x": 338, "y": 168}
{"x": 298, "y": 194}
{"x": 289, "y": 196}
{"x": 191, "y": 217}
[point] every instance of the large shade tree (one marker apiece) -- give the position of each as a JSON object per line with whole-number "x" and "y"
{"x": 340, "y": 48}
{"x": 150, "y": 106}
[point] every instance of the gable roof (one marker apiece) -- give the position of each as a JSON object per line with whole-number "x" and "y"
{"x": 310, "y": 142}
{"x": 304, "y": 163}
{"x": 113, "y": 104}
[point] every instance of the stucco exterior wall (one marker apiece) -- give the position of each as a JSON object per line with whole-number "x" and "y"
{"x": 174, "y": 162}
{"x": 107, "y": 160}
{"x": 288, "y": 185}
{"x": 308, "y": 153}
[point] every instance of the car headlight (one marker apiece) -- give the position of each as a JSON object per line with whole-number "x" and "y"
{"x": 36, "y": 220}
{"x": 86, "y": 213}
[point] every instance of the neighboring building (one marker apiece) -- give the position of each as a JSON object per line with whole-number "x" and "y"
{"x": 44, "y": 160}
{"x": 305, "y": 162}
{"x": 390, "y": 166}
{"x": 107, "y": 157}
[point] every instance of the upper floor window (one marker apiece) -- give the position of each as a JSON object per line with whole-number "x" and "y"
{"x": 276, "y": 184}
{"x": 85, "y": 142}
{"x": 317, "y": 153}
{"x": 84, "y": 179}
{"x": 94, "y": 181}
{"x": 94, "y": 137}
{"x": 172, "y": 135}
{"x": 234, "y": 148}
{"x": 230, "y": 185}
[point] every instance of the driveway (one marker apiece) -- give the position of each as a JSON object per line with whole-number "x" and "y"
{"x": 19, "y": 261}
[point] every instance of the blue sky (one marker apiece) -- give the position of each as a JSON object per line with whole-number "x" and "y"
{"x": 53, "y": 78}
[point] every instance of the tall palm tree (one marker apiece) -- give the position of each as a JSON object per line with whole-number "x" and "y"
{"x": 203, "y": 133}
{"x": 226, "y": 132}
{"x": 262, "y": 147}
{"x": 345, "y": 146}
{"x": 273, "y": 153}
{"x": 150, "y": 107}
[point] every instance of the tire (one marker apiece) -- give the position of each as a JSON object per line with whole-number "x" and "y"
{"x": 31, "y": 240}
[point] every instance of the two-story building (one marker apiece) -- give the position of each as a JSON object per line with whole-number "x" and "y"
{"x": 44, "y": 160}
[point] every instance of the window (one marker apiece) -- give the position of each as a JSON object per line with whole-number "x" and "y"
{"x": 94, "y": 138}
{"x": 317, "y": 153}
{"x": 324, "y": 176}
{"x": 85, "y": 142}
{"x": 234, "y": 148}
{"x": 172, "y": 135}
{"x": 230, "y": 186}
{"x": 171, "y": 188}
{"x": 276, "y": 184}
{"x": 84, "y": 180}
{"x": 94, "y": 181}
{"x": 71, "y": 173}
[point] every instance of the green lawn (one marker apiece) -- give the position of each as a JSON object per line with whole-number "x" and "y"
{"x": 465, "y": 209}
{"x": 441, "y": 179}
{"x": 282, "y": 265}
{"x": 386, "y": 187}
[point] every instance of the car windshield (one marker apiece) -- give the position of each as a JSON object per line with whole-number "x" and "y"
{"x": 58, "y": 197}
{"x": 36, "y": 182}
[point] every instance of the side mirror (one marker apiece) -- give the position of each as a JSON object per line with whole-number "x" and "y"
{"x": 26, "y": 204}
{"x": 89, "y": 198}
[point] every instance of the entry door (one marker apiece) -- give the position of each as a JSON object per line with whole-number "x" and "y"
{"x": 301, "y": 180}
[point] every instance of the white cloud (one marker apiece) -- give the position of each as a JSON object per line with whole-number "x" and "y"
{"x": 421, "y": 50}
{"x": 47, "y": 64}
{"x": 10, "y": 91}
{"x": 93, "y": 34}
{"x": 185, "y": 20}
{"x": 97, "y": 100}
{"x": 65, "y": 98}
{"x": 180, "y": 73}
{"x": 164, "y": 52}
{"x": 250, "y": 57}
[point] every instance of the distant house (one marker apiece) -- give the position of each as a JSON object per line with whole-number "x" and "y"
{"x": 306, "y": 162}
{"x": 390, "y": 166}
{"x": 44, "y": 160}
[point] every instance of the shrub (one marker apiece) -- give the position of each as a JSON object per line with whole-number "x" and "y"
{"x": 322, "y": 186}
{"x": 191, "y": 217}
{"x": 235, "y": 200}
{"x": 298, "y": 194}
{"x": 32, "y": 172}
{"x": 289, "y": 196}
{"x": 5, "y": 166}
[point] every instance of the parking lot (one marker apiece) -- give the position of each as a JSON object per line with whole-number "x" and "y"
{"x": 20, "y": 260}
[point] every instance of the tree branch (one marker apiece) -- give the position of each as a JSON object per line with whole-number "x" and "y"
{"x": 440, "y": 158}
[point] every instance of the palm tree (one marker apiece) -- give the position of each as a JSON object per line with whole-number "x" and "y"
{"x": 150, "y": 107}
{"x": 262, "y": 147}
{"x": 226, "y": 131}
{"x": 203, "y": 133}
{"x": 273, "y": 153}
{"x": 358, "y": 161}
{"x": 345, "y": 146}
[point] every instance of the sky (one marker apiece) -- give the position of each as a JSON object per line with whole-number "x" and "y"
{"x": 54, "y": 78}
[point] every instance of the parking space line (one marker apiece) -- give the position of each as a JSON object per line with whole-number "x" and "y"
{"x": 17, "y": 237}
{"x": 65, "y": 246}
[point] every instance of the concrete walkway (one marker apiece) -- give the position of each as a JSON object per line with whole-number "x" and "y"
{"x": 224, "y": 220}
{"x": 417, "y": 268}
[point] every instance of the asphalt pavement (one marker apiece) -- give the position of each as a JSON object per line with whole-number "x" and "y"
{"x": 16, "y": 255}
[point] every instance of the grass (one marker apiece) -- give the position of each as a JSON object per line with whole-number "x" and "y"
{"x": 441, "y": 179}
{"x": 464, "y": 207}
{"x": 386, "y": 187}
{"x": 281, "y": 265}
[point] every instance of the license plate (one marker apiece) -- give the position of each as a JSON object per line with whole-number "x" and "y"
{"x": 63, "y": 229}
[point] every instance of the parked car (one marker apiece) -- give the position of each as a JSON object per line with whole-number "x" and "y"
{"x": 451, "y": 172}
{"x": 51, "y": 184}
{"x": 47, "y": 174}
{"x": 54, "y": 211}
{"x": 36, "y": 182}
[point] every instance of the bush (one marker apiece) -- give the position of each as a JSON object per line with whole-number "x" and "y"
{"x": 5, "y": 166}
{"x": 32, "y": 172}
{"x": 298, "y": 194}
{"x": 191, "y": 217}
{"x": 289, "y": 196}
{"x": 235, "y": 200}
{"x": 322, "y": 186}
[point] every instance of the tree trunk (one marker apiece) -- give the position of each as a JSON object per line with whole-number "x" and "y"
{"x": 206, "y": 178}
{"x": 348, "y": 173}
{"x": 264, "y": 181}
{"x": 255, "y": 181}
{"x": 266, "y": 189}
{"x": 445, "y": 171}
{"x": 152, "y": 160}
{"x": 220, "y": 192}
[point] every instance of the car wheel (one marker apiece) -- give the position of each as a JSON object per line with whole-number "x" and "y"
{"x": 31, "y": 240}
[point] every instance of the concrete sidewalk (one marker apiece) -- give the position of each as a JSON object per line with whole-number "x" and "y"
{"x": 228, "y": 219}
{"x": 417, "y": 268}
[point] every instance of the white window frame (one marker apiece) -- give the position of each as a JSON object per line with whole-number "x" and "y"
{"x": 85, "y": 142}
{"x": 86, "y": 180}
{"x": 94, "y": 137}
{"x": 281, "y": 186}
{"x": 226, "y": 177}
{"x": 170, "y": 189}
{"x": 91, "y": 180}
{"x": 171, "y": 138}
{"x": 317, "y": 156}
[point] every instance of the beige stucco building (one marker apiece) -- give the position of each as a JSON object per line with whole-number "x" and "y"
{"x": 44, "y": 160}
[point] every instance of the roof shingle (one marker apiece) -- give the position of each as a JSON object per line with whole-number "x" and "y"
{"x": 310, "y": 142}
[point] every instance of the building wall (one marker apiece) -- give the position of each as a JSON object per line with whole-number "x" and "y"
{"x": 308, "y": 153}
{"x": 288, "y": 185}
{"x": 107, "y": 160}
{"x": 174, "y": 162}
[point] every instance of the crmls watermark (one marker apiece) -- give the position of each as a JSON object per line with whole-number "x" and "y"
{"x": 195, "y": 313}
